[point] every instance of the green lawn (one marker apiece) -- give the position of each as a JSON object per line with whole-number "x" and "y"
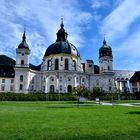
{"x": 55, "y": 121}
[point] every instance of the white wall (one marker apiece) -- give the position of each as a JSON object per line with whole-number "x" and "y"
{"x": 61, "y": 59}
{"x": 7, "y": 84}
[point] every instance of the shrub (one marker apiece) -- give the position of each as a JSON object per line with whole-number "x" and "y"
{"x": 36, "y": 97}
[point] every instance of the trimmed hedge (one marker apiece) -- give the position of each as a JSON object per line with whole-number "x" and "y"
{"x": 37, "y": 97}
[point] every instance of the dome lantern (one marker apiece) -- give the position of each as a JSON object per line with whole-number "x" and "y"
{"x": 62, "y": 45}
{"x": 61, "y": 34}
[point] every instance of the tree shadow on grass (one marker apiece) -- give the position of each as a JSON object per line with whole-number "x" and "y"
{"x": 60, "y": 106}
{"x": 70, "y": 106}
{"x": 134, "y": 112}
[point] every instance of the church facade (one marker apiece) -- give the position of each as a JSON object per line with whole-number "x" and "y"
{"x": 61, "y": 70}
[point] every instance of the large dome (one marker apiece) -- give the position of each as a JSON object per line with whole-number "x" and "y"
{"x": 62, "y": 45}
{"x": 105, "y": 50}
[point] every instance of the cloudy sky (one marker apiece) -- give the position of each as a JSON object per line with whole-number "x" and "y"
{"x": 86, "y": 21}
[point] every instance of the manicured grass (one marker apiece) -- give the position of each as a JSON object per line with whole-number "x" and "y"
{"x": 51, "y": 121}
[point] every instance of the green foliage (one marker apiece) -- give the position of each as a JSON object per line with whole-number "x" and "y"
{"x": 60, "y": 97}
{"x": 36, "y": 97}
{"x": 97, "y": 92}
{"x": 81, "y": 91}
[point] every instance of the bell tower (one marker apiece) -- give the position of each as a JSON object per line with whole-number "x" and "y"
{"x": 22, "y": 53}
{"x": 105, "y": 58}
{"x": 22, "y": 67}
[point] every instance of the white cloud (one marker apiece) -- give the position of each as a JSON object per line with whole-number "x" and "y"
{"x": 97, "y": 4}
{"x": 117, "y": 23}
{"x": 42, "y": 21}
{"x": 128, "y": 51}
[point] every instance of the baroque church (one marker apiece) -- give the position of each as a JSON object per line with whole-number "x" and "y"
{"x": 61, "y": 69}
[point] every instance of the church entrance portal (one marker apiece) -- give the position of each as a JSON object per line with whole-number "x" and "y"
{"x": 69, "y": 88}
{"x": 52, "y": 88}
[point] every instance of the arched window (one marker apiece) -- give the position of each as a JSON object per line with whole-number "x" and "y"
{"x": 52, "y": 88}
{"x": 69, "y": 88}
{"x": 108, "y": 68}
{"x": 22, "y": 62}
{"x": 48, "y": 64}
{"x": 20, "y": 87}
{"x": 74, "y": 64}
{"x": 21, "y": 78}
{"x": 66, "y": 64}
{"x": 56, "y": 64}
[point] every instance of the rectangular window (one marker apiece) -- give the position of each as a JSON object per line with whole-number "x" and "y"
{"x": 22, "y": 62}
{"x": 43, "y": 88}
{"x": 20, "y": 87}
{"x": 12, "y": 80}
{"x": 3, "y": 80}
{"x": 60, "y": 87}
{"x": 90, "y": 65}
{"x": 21, "y": 78}
{"x": 11, "y": 88}
{"x": 2, "y": 88}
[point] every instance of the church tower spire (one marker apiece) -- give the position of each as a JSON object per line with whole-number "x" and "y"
{"x": 61, "y": 34}
{"x": 62, "y": 25}
{"x": 24, "y": 35}
{"x": 104, "y": 41}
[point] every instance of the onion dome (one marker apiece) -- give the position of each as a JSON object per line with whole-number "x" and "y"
{"x": 23, "y": 44}
{"x": 105, "y": 50}
{"x": 62, "y": 45}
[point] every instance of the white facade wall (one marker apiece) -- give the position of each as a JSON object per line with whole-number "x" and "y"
{"x": 61, "y": 80}
{"x": 35, "y": 81}
{"x": 106, "y": 64}
{"x": 122, "y": 78}
{"x": 104, "y": 81}
{"x": 25, "y": 82}
{"x": 6, "y": 84}
{"x": 31, "y": 80}
{"x": 22, "y": 54}
{"x": 61, "y": 58}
